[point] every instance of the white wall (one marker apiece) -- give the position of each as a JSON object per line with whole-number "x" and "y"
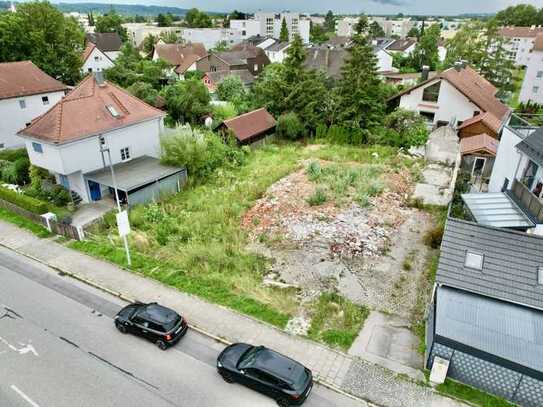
{"x": 210, "y": 37}
{"x": 246, "y": 28}
{"x": 97, "y": 61}
{"x": 450, "y": 106}
{"x": 138, "y": 31}
{"x": 345, "y": 26}
{"x": 442, "y": 53}
{"x": 13, "y": 118}
{"x": 520, "y": 48}
{"x": 506, "y": 161}
{"x": 384, "y": 61}
{"x": 277, "y": 56}
{"x": 112, "y": 54}
{"x": 531, "y": 81}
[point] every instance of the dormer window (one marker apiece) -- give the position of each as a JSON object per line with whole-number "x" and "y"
{"x": 111, "y": 109}
{"x": 474, "y": 261}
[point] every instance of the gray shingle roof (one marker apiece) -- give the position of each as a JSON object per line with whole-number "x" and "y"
{"x": 532, "y": 146}
{"x": 510, "y": 262}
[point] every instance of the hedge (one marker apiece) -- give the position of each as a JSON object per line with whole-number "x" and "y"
{"x": 24, "y": 201}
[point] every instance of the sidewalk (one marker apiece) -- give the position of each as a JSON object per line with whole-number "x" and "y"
{"x": 332, "y": 368}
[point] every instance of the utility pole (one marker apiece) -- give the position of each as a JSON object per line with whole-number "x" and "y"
{"x": 104, "y": 148}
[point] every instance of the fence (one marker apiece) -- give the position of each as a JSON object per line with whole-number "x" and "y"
{"x": 53, "y": 226}
{"x": 529, "y": 201}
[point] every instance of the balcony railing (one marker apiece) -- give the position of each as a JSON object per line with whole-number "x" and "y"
{"x": 524, "y": 124}
{"x": 528, "y": 201}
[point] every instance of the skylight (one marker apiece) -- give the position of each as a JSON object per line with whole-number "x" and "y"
{"x": 474, "y": 261}
{"x": 112, "y": 110}
{"x": 540, "y": 275}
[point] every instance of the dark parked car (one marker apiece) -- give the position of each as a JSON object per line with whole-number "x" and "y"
{"x": 266, "y": 371}
{"x": 159, "y": 324}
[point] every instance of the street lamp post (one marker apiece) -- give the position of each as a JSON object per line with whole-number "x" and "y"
{"x": 104, "y": 148}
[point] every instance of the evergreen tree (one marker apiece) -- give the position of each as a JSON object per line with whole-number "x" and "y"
{"x": 495, "y": 65}
{"x": 90, "y": 17}
{"x": 360, "y": 100}
{"x": 111, "y": 22}
{"x": 468, "y": 44}
{"x": 330, "y": 21}
{"x": 426, "y": 52}
{"x": 283, "y": 35}
{"x": 376, "y": 30}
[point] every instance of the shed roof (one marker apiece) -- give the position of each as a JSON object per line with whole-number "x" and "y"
{"x": 479, "y": 143}
{"x": 510, "y": 264}
{"x": 506, "y": 330}
{"x": 251, "y": 124}
{"x": 532, "y": 146}
{"x": 496, "y": 209}
{"x": 106, "y": 42}
{"x": 24, "y": 79}
{"x": 134, "y": 173}
{"x": 487, "y": 118}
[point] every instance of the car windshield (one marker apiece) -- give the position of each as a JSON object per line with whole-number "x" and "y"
{"x": 248, "y": 358}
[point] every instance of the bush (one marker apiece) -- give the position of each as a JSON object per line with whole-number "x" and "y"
{"x": 318, "y": 198}
{"x": 344, "y": 135}
{"x": 404, "y": 128}
{"x": 26, "y": 202}
{"x": 433, "y": 237}
{"x": 223, "y": 112}
{"x": 289, "y": 126}
{"x": 13, "y": 155}
{"x": 58, "y": 195}
{"x": 15, "y": 172}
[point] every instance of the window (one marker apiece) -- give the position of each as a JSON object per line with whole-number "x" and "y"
{"x": 111, "y": 109}
{"x": 90, "y": 69}
{"x": 37, "y": 147}
{"x": 540, "y": 275}
{"x": 125, "y": 153}
{"x": 45, "y": 100}
{"x": 96, "y": 58}
{"x": 256, "y": 67}
{"x": 22, "y": 104}
{"x": 431, "y": 93}
{"x": 539, "y": 74}
{"x": 474, "y": 260}
{"x": 535, "y": 89}
{"x": 429, "y": 116}
{"x": 244, "y": 33}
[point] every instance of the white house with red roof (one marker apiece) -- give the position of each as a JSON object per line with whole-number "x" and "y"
{"x": 94, "y": 60}
{"x": 25, "y": 93}
{"x": 67, "y": 141}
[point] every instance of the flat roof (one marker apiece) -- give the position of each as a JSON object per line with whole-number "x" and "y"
{"x": 496, "y": 209}
{"x": 134, "y": 173}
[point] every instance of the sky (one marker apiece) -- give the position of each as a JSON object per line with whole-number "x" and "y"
{"x": 445, "y": 7}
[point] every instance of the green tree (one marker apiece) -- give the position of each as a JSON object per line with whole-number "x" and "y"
{"x": 90, "y": 17}
{"x": 317, "y": 33}
{"x": 376, "y": 30}
{"x": 523, "y": 15}
{"x": 164, "y": 20}
{"x": 40, "y": 33}
{"x": 495, "y": 65}
{"x": 359, "y": 97}
{"x": 145, "y": 92}
{"x": 186, "y": 101}
{"x": 330, "y": 21}
{"x": 413, "y": 32}
{"x": 221, "y": 46}
{"x": 110, "y": 23}
{"x": 169, "y": 37}
{"x": 426, "y": 52}
{"x": 234, "y": 15}
{"x": 231, "y": 89}
{"x": 197, "y": 19}
{"x": 149, "y": 43}
{"x": 468, "y": 44}
{"x": 283, "y": 35}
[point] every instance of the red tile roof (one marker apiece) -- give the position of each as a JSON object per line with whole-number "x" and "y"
{"x": 486, "y": 118}
{"x": 24, "y": 79}
{"x": 85, "y": 112}
{"x": 521, "y": 32}
{"x": 479, "y": 143}
{"x": 88, "y": 51}
{"x": 181, "y": 56}
{"x": 252, "y": 124}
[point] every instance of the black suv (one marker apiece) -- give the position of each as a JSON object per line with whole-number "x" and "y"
{"x": 266, "y": 371}
{"x": 154, "y": 322}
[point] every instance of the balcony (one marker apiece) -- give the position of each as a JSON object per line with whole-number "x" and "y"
{"x": 524, "y": 124}
{"x": 527, "y": 201}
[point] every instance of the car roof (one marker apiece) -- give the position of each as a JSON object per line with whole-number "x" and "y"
{"x": 276, "y": 364}
{"x": 157, "y": 313}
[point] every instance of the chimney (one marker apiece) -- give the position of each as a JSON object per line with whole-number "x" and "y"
{"x": 99, "y": 78}
{"x": 458, "y": 66}
{"x": 425, "y": 73}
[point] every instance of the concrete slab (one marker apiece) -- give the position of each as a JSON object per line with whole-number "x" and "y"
{"x": 443, "y": 146}
{"x": 432, "y": 194}
{"x": 88, "y": 213}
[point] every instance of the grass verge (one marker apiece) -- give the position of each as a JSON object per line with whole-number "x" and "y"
{"x": 24, "y": 223}
{"x": 471, "y": 394}
{"x": 336, "y": 321}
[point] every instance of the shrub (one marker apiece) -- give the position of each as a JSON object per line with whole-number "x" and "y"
{"x": 13, "y": 155}
{"x": 404, "y": 128}
{"x": 313, "y": 170}
{"x": 58, "y": 195}
{"x": 289, "y": 126}
{"x": 318, "y": 198}
{"x": 345, "y": 135}
{"x": 223, "y": 112}
{"x": 26, "y": 202}
{"x": 433, "y": 237}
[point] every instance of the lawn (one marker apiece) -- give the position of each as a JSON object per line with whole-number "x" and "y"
{"x": 24, "y": 223}
{"x": 518, "y": 77}
{"x": 194, "y": 240}
{"x": 475, "y": 396}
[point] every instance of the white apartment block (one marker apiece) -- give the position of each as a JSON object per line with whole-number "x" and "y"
{"x": 345, "y": 26}
{"x": 521, "y": 42}
{"x": 532, "y": 85}
{"x": 137, "y": 32}
{"x": 268, "y": 24}
{"x": 211, "y": 37}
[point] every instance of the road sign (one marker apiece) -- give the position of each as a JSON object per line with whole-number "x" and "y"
{"x": 123, "y": 224}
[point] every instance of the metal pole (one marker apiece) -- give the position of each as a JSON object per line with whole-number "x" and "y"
{"x": 125, "y": 240}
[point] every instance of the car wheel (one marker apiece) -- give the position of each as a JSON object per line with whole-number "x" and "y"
{"x": 121, "y": 328}
{"x": 282, "y": 402}
{"x": 161, "y": 344}
{"x": 227, "y": 377}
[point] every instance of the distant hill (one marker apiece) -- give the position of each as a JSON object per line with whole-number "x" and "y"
{"x": 124, "y": 9}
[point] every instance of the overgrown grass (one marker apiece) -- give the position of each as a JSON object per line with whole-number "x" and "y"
{"x": 24, "y": 223}
{"x": 518, "y": 77}
{"x": 336, "y": 320}
{"x": 471, "y": 394}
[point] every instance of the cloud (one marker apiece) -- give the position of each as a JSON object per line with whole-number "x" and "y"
{"x": 390, "y": 2}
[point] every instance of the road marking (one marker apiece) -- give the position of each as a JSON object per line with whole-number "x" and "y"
{"x": 24, "y": 396}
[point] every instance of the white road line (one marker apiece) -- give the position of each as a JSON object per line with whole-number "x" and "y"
{"x": 24, "y": 396}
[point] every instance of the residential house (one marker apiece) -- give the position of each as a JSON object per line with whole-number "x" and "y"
{"x": 485, "y": 322}
{"x": 137, "y": 32}
{"x": 268, "y": 24}
{"x": 250, "y": 127}
{"x": 345, "y": 26}
{"x": 213, "y": 79}
{"x": 329, "y": 61}
{"x": 521, "y": 42}
{"x": 478, "y": 153}
{"x": 70, "y": 139}
{"x": 277, "y": 52}
{"x": 402, "y": 46}
{"x": 109, "y": 43}
{"x": 532, "y": 85}
{"x": 26, "y": 92}
{"x": 94, "y": 60}
{"x": 405, "y": 79}
{"x": 182, "y": 58}
{"x": 241, "y": 56}
{"x": 452, "y": 97}
{"x": 394, "y": 27}
{"x": 212, "y": 37}
{"x": 384, "y": 60}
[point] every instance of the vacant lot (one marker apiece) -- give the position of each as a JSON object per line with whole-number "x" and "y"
{"x": 214, "y": 239}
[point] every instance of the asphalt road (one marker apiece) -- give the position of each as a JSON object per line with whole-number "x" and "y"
{"x": 59, "y": 348}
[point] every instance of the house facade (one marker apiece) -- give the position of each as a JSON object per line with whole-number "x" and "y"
{"x": 402, "y": 46}
{"x": 277, "y": 52}
{"x": 485, "y": 321}
{"x": 212, "y": 80}
{"x": 69, "y": 145}
{"x": 268, "y": 24}
{"x": 26, "y": 92}
{"x": 521, "y": 42}
{"x": 94, "y": 60}
{"x": 109, "y": 43}
{"x": 532, "y": 85}
{"x": 241, "y": 57}
{"x": 182, "y": 58}
{"x": 211, "y": 37}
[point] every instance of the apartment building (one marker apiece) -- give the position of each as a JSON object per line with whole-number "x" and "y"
{"x": 521, "y": 42}
{"x": 268, "y": 24}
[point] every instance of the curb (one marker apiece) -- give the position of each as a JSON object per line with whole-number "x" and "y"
{"x": 201, "y": 331}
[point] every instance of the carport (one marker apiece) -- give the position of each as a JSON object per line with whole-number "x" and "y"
{"x": 139, "y": 181}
